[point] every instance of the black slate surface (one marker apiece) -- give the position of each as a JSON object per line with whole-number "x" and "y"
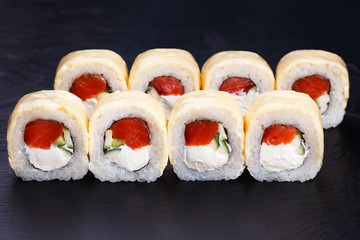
{"x": 34, "y": 35}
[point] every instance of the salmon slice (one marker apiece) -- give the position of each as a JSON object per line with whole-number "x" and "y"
{"x": 237, "y": 85}
{"x": 42, "y": 133}
{"x": 88, "y": 86}
{"x": 133, "y": 131}
{"x": 167, "y": 86}
{"x": 200, "y": 132}
{"x": 314, "y": 85}
{"x": 277, "y": 134}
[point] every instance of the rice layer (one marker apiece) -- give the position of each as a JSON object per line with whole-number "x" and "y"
{"x": 206, "y": 105}
{"x": 287, "y": 108}
{"x": 302, "y": 63}
{"x": 59, "y": 106}
{"x": 128, "y": 104}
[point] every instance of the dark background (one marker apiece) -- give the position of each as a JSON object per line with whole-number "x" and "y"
{"x": 35, "y": 35}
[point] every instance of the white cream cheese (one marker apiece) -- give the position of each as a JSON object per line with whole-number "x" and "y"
{"x": 48, "y": 159}
{"x": 167, "y": 101}
{"x": 244, "y": 100}
{"x": 283, "y": 156}
{"x": 208, "y": 157}
{"x": 130, "y": 159}
{"x": 91, "y": 103}
{"x": 323, "y": 102}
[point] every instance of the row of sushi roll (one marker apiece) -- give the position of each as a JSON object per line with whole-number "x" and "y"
{"x": 92, "y": 121}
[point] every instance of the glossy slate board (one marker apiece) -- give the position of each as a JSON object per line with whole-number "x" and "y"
{"x": 35, "y": 35}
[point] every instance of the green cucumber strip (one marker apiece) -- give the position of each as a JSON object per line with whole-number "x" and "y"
{"x": 217, "y": 137}
{"x": 149, "y": 89}
{"x": 108, "y": 139}
{"x": 226, "y": 146}
{"x": 254, "y": 88}
{"x": 71, "y": 151}
{"x": 221, "y": 131}
{"x": 300, "y": 135}
{"x": 117, "y": 143}
{"x": 221, "y": 139}
{"x": 112, "y": 149}
{"x": 301, "y": 149}
{"x": 152, "y": 92}
{"x": 68, "y": 140}
{"x": 111, "y": 143}
{"x": 60, "y": 141}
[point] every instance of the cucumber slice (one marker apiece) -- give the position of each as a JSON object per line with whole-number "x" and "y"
{"x": 68, "y": 139}
{"x": 69, "y": 150}
{"x": 108, "y": 139}
{"x": 111, "y": 144}
{"x": 300, "y": 136}
{"x": 117, "y": 143}
{"x": 60, "y": 141}
{"x": 217, "y": 137}
{"x": 222, "y": 145}
{"x": 222, "y": 134}
{"x": 227, "y": 146}
{"x": 64, "y": 142}
{"x": 301, "y": 149}
{"x": 152, "y": 92}
{"x": 254, "y": 88}
{"x": 112, "y": 149}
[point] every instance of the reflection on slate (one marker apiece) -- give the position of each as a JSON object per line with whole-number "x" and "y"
{"x": 35, "y": 35}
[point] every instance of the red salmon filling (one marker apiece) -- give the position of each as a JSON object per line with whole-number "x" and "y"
{"x": 237, "y": 85}
{"x": 277, "y": 134}
{"x": 42, "y": 133}
{"x": 167, "y": 86}
{"x": 88, "y": 86}
{"x": 200, "y": 132}
{"x": 133, "y": 131}
{"x": 314, "y": 85}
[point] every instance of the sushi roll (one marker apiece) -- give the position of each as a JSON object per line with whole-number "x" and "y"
{"x": 284, "y": 139}
{"x": 206, "y": 137}
{"x": 242, "y": 74}
{"x": 165, "y": 74}
{"x": 90, "y": 74}
{"x": 47, "y": 137}
{"x": 128, "y": 139}
{"x": 320, "y": 74}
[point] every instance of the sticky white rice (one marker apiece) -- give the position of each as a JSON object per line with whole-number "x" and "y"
{"x": 99, "y": 62}
{"x": 128, "y": 104}
{"x": 302, "y": 63}
{"x": 287, "y": 108}
{"x": 206, "y": 105}
{"x": 59, "y": 106}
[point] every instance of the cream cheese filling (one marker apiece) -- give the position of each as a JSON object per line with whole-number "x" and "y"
{"x": 130, "y": 159}
{"x": 48, "y": 159}
{"x": 208, "y": 157}
{"x": 91, "y": 103}
{"x": 245, "y": 99}
{"x": 167, "y": 101}
{"x": 280, "y": 157}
